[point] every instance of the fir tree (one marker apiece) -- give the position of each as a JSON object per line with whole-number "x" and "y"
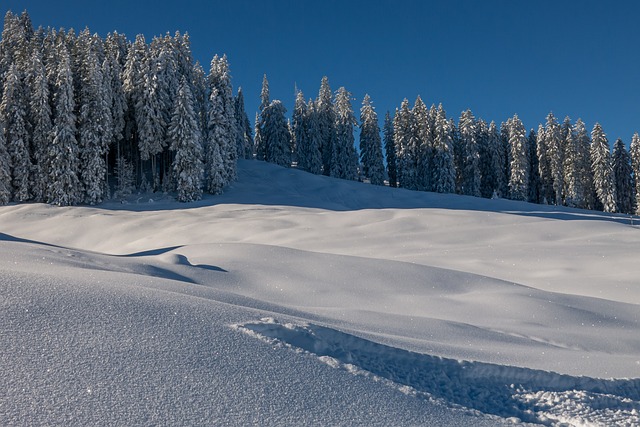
{"x": 298, "y": 129}
{"x": 519, "y": 161}
{"x": 94, "y": 126}
{"x": 214, "y": 164}
{"x": 13, "y": 112}
{"x": 470, "y": 156}
{"x": 444, "y": 174}
{"x": 370, "y": 143}
{"x": 260, "y": 119}
{"x": 535, "y": 186}
{"x": 573, "y": 185}
{"x": 63, "y": 189}
{"x": 312, "y": 161}
{"x": 623, "y": 178}
{"x": 184, "y": 135}
{"x": 390, "y": 151}
{"x": 220, "y": 79}
{"x": 275, "y": 135}
{"x": 344, "y": 160}
{"x": 492, "y": 172}
{"x": 406, "y": 144}
{"x": 634, "y": 152}
{"x": 326, "y": 122}
{"x": 124, "y": 178}
{"x": 602, "y": 169}
{"x": 244, "y": 139}
{"x": 424, "y": 145}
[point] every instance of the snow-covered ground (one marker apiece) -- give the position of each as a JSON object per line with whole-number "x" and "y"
{"x": 297, "y": 299}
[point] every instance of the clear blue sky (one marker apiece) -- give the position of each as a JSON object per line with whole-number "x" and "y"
{"x": 575, "y": 58}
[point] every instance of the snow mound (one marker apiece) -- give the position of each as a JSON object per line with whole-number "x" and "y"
{"x": 510, "y": 392}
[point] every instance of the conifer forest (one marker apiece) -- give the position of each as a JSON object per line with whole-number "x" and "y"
{"x": 85, "y": 119}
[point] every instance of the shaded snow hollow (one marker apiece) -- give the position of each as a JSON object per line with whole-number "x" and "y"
{"x": 435, "y": 309}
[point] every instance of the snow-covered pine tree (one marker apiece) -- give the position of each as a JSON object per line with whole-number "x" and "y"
{"x": 41, "y": 125}
{"x": 344, "y": 159}
{"x": 133, "y": 81}
{"x": 634, "y": 151}
{"x": 550, "y": 160}
{"x": 470, "y": 173}
{"x": 443, "y": 171}
{"x": 492, "y": 173}
{"x": 298, "y": 129}
{"x": 583, "y": 142}
{"x": 544, "y": 167}
{"x": 220, "y": 79}
{"x": 265, "y": 98}
{"x": 535, "y": 186}
{"x": 184, "y": 136}
{"x": 370, "y": 143}
{"x": 94, "y": 125}
{"x": 519, "y": 161}
{"x": 326, "y": 122}
{"x": 487, "y": 178}
{"x": 13, "y": 112}
{"x": 390, "y": 150}
{"x": 312, "y": 157}
{"x": 214, "y": 165}
{"x": 5, "y": 170}
{"x": 623, "y": 178}
{"x": 406, "y": 143}
{"x": 275, "y": 135}
{"x": 573, "y": 191}
{"x": 424, "y": 145}
{"x": 602, "y": 169}
{"x": 64, "y": 185}
{"x": 244, "y": 138}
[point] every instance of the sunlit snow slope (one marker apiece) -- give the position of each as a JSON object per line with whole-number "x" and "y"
{"x": 295, "y": 298}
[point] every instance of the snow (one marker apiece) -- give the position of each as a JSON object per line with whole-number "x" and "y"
{"x": 302, "y": 299}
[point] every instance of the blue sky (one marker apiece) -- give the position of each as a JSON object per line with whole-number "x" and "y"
{"x": 498, "y": 58}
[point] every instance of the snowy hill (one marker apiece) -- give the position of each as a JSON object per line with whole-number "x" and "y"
{"x": 300, "y": 299}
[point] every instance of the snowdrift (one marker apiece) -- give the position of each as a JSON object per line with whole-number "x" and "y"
{"x": 435, "y": 309}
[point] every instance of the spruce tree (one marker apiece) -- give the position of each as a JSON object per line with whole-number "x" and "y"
{"x": 424, "y": 145}
{"x": 214, "y": 164}
{"x": 326, "y": 122}
{"x": 64, "y": 185}
{"x": 344, "y": 160}
{"x": 518, "y": 160}
{"x": 298, "y": 129}
{"x": 470, "y": 156}
{"x": 220, "y": 79}
{"x": 623, "y": 178}
{"x": 390, "y": 150}
{"x": 406, "y": 147}
{"x": 94, "y": 126}
{"x": 634, "y": 152}
{"x": 370, "y": 143}
{"x": 443, "y": 171}
{"x": 275, "y": 135}
{"x": 312, "y": 155}
{"x": 260, "y": 119}
{"x": 583, "y": 145}
{"x": 184, "y": 137}
{"x": 574, "y": 189}
{"x": 602, "y": 169}
{"x": 41, "y": 125}
{"x": 244, "y": 139}
{"x": 493, "y": 176}
{"x": 13, "y": 112}
{"x": 535, "y": 186}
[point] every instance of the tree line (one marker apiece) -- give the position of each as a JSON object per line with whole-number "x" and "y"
{"x": 84, "y": 119}
{"x": 559, "y": 163}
